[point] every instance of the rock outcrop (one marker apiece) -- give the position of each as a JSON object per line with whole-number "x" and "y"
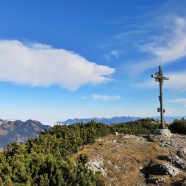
{"x": 96, "y": 165}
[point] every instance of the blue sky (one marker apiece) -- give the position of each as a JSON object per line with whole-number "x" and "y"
{"x": 65, "y": 59}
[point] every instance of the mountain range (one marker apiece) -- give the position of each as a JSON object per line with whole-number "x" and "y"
{"x": 19, "y": 131}
{"x": 115, "y": 120}
{"x": 103, "y": 120}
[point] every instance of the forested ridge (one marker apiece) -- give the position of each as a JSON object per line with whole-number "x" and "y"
{"x": 47, "y": 160}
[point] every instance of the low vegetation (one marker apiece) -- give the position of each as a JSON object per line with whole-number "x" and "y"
{"x": 57, "y": 156}
{"x": 178, "y": 126}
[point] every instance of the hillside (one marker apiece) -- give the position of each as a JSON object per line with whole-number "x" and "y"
{"x": 132, "y": 160}
{"x": 19, "y": 131}
{"x": 95, "y": 154}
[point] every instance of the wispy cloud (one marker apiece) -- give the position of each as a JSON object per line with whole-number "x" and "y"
{"x": 157, "y": 35}
{"x": 37, "y": 64}
{"x": 172, "y": 44}
{"x": 181, "y": 101}
{"x": 176, "y": 82}
{"x": 167, "y": 47}
{"x": 115, "y": 53}
{"x": 105, "y": 97}
{"x": 112, "y": 54}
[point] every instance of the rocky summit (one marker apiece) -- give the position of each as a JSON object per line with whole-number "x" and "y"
{"x": 155, "y": 159}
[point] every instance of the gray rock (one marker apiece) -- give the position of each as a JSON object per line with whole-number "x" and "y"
{"x": 114, "y": 141}
{"x": 169, "y": 169}
{"x": 96, "y": 165}
{"x": 178, "y": 161}
{"x": 109, "y": 162}
{"x": 160, "y": 180}
{"x": 115, "y": 167}
{"x": 184, "y": 151}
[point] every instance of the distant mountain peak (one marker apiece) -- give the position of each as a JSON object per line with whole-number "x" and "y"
{"x": 19, "y": 131}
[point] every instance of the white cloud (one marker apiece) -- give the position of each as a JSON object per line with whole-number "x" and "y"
{"x": 37, "y": 64}
{"x": 105, "y": 97}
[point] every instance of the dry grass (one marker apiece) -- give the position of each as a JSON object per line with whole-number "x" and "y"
{"x": 123, "y": 157}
